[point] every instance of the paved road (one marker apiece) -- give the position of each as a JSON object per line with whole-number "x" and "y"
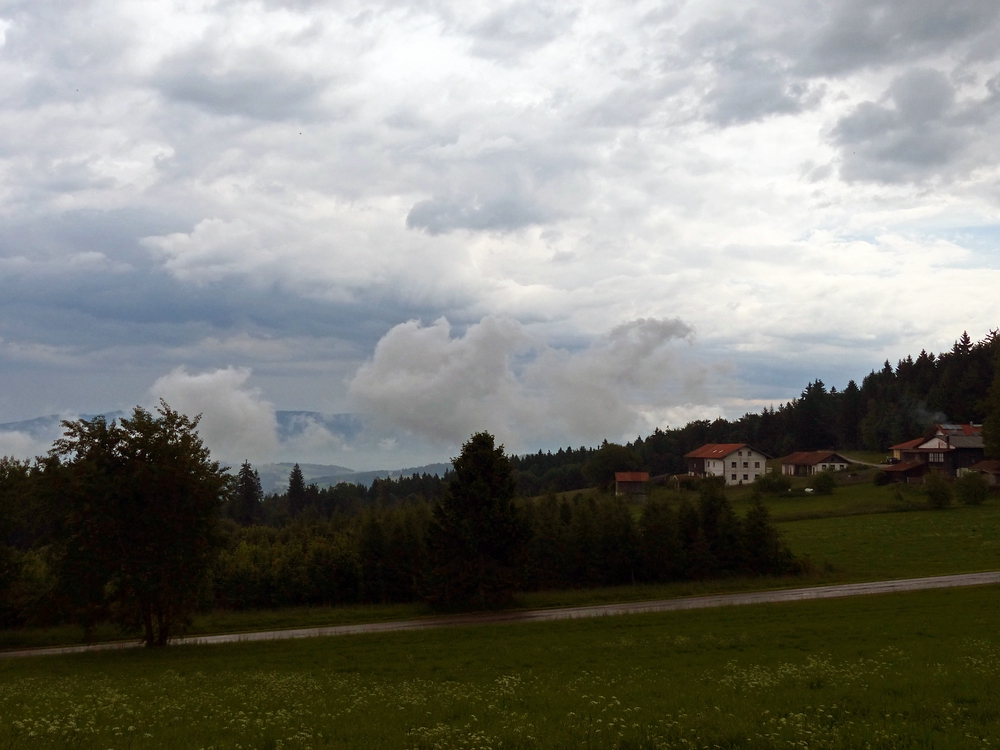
{"x": 563, "y": 613}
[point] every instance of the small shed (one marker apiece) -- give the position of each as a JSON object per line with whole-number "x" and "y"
{"x": 631, "y": 483}
{"x": 989, "y": 469}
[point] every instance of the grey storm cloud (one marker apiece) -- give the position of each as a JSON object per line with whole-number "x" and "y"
{"x": 919, "y": 131}
{"x": 853, "y": 34}
{"x": 773, "y": 60}
{"x": 517, "y": 29}
{"x": 254, "y": 86}
{"x": 502, "y": 214}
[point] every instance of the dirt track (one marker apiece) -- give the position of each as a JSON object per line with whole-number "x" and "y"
{"x": 564, "y": 613}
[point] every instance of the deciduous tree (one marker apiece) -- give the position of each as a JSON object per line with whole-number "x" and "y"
{"x": 141, "y": 498}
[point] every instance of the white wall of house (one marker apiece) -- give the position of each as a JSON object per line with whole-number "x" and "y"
{"x": 742, "y": 466}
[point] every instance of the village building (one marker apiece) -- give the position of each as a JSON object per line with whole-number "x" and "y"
{"x": 990, "y": 469}
{"x": 737, "y": 463}
{"x": 631, "y": 483}
{"x": 950, "y": 448}
{"x": 807, "y": 463}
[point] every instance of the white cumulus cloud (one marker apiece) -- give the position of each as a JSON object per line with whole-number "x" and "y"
{"x": 498, "y": 377}
{"x": 237, "y": 424}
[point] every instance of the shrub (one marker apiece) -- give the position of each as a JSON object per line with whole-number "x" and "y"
{"x": 824, "y": 483}
{"x": 773, "y": 483}
{"x": 938, "y": 489}
{"x": 882, "y": 478}
{"x": 972, "y": 488}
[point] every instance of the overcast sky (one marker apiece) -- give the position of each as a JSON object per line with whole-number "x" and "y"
{"x": 557, "y": 221}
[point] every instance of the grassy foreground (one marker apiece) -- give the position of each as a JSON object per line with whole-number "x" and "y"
{"x": 916, "y": 670}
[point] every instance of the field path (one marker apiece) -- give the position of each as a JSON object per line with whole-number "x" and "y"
{"x": 562, "y": 613}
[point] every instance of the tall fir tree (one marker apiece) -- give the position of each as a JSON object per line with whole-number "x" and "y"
{"x": 245, "y": 506}
{"x": 296, "y": 491}
{"x": 991, "y": 424}
{"x": 477, "y": 535}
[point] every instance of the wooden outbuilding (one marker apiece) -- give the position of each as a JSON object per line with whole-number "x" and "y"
{"x": 911, "y": 472}
{"x": 631, "y": 483}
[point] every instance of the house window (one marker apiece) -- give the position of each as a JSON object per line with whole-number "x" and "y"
{"x": 734, "y": 477}
{"x": 739, "y": 453}
{"x": 937, "y": 458}
{"x": 734, "y": 466}
{"x": 756, "y": 464}
{"x": 746, "y": 464}
{"x": 746, "y": 477}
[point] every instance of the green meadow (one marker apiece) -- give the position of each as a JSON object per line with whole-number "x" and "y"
{"x": 915, "y": 670}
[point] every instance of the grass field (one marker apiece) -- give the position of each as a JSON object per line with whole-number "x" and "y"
{"x": 916, "y": 670}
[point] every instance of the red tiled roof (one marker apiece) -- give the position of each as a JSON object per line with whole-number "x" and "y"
{"x": 908, "y": 445}
{"x": 631, "y": 476}
{"x": 811, "y": 458}
{"x": 715, "y": 450}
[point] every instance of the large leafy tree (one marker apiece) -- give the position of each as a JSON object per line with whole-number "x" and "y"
{"x": 477, "y": 534}
{"x": 140, "y": 499}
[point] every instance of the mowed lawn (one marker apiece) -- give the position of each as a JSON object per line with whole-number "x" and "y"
{"x": 915, "y": 670}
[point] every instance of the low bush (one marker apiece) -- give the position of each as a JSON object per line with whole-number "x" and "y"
{"x": 881, "y": 479}
{"x": 824, "y": 483}
{"x": 938, "y": 489}
{"x": 972, "y": 488}
{"x": 773, "y": 483}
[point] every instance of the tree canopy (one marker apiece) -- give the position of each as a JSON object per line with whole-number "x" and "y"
{"x": 139, "y": 498}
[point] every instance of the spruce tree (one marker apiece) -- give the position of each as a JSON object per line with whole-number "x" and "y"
{"x": 991, "y": 425}
{"x": 247, "y": 496}
{"x": 477, "y": 535}
{"x": 296, "y": 491}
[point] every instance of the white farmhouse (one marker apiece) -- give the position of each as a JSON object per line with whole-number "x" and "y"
{"x": 737, "y": 463}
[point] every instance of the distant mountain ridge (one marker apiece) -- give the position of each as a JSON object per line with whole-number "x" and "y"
{"x": 48, "y": 427}
{"x": 273, "y": 476}
{"x": 291, "y": 424}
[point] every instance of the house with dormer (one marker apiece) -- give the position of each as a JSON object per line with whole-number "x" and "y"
{"x": 737, "y": 463}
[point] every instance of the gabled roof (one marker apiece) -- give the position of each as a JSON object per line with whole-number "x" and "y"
{"x": 716, "y": 450}
{"x": 987, "y": 467}
{"x": 631, "y": 476}
{"x": 811, "y": 458}
{"x": 908, "y": 445}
